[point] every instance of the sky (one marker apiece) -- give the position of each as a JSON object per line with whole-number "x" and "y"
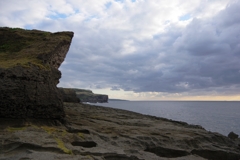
{"x": 142, "y": 49}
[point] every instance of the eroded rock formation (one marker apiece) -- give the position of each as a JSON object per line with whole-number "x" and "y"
{"x": 29, "y": 62}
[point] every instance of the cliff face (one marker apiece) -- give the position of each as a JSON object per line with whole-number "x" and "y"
{"x": 29, "y": 62}
{"x": 69, "y": 95}
{"x": 89, "y": 96}
{"x": 81, "y": 95}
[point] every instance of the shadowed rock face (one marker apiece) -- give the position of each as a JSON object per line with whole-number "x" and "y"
{"x": 89, "y": 96}
{"x": 29, "y": 62}
{"x": 69, "y": 95}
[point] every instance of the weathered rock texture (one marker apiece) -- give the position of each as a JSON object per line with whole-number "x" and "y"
{"x": 102, "y": 133}
{"x": 69, "y": 95}
{"x": 29, "y": 61}
{"x": 89, "y": 96}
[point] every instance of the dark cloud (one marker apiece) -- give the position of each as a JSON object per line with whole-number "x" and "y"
{"x": 203, "y": 56}
{"x": 130, "y": 49}
{"x": 115, "y": 88}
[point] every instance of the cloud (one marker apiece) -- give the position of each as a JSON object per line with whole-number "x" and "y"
{"x": 156, "y": 47}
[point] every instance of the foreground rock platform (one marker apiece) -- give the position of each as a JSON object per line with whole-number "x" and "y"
{"x": 100, "y": 133}
{"x": 29, "y": 62}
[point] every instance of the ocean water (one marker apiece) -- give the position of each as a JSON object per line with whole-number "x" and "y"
{"x": 216, "y": 116}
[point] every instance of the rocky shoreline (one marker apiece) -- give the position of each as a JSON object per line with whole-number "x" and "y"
{"x": 101, "y": 133}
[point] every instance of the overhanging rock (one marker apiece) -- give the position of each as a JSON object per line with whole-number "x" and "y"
{"x": 29, "y": 62}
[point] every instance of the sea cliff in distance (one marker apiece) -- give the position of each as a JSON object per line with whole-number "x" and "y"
{"x": 84, "y": 95}
{"x": 117, "y": 100}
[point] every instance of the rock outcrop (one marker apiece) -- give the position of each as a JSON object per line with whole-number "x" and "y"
{"x": 232, "y": 136}
{"x": 89, "y": 96}
{"x": 69, "y": 95}
{"x": 29, "y": 62}
{"x": 102, "y": 133}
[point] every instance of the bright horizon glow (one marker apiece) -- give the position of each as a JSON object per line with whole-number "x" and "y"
{"x": 148, "y": 96}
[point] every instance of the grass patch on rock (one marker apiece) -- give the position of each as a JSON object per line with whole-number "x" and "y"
{"x": 81, "y": 135}
{"x": 15, "y": 129}
{"x": 62, "y": 146}
{"x": 25, "y": 47}
{"x": 56, "y": 133}
{"x": 49, "y": 130}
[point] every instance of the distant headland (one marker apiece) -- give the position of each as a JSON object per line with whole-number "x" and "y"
{"x": 85, "y": 95}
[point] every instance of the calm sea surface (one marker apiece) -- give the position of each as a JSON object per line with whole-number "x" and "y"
{"x": 216, "y": 116}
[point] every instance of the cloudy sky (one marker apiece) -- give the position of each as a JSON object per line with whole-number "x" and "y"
{"x": 142, "y": 49}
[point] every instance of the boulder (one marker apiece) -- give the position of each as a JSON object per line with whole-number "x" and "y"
{"x": 29, "y": 62}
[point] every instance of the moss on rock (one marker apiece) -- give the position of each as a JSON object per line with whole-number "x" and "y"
{"x": 22, "y": 47}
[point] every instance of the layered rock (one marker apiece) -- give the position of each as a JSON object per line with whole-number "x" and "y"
{"x": 101, "y": 133}
{"x": 89, "y": 96}
{"x": 29, "y": 62}
{"x": 69, "y": 95}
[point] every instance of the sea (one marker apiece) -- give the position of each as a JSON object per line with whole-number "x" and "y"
{"x": 215, "y": 116}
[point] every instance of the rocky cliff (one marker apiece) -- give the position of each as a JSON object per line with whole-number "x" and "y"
{"x": 69, "y": 95}
{"x": 29, "y": 62}
{"x": 89, "y": 96}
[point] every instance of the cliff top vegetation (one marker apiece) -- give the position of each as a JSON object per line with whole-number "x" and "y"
{"x": 24, "y": 47}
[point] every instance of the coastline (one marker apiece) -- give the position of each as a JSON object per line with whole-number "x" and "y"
{"x": 217, "y": 116}
{"x": 102, "y": 133}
